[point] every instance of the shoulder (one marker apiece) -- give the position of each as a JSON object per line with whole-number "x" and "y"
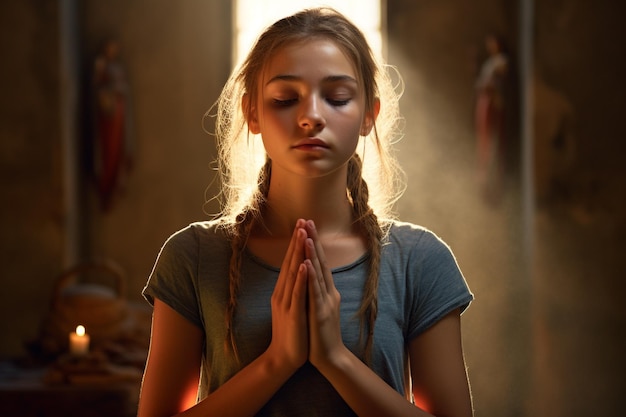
{"x": 408, "y": 235}
{"x": 199, "y": 232}
{"x": 433, "y": 278}
{"x": 188, "y": 242}
{"x": 419, "y": 249}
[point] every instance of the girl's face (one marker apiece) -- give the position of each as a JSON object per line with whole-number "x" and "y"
{"x": 310, "y": 110}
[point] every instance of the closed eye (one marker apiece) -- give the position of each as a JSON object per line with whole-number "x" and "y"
{"x": 284, "y": 103}
{"x": 288, "y": 102}
{"x": 337, "y": 103}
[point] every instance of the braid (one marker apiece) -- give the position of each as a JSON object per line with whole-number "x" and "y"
{"x": 367, "y": 220}
{"x": 240, "y": 232}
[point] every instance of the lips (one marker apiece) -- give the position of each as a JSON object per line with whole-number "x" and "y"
{"x": 310, "y": 143}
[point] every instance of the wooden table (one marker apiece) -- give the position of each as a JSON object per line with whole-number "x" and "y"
{"x": 23, "y": 393}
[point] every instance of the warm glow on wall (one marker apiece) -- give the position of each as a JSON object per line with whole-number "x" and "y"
{"x": 252, "y": 16}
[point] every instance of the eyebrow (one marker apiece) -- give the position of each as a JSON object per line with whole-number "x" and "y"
{"x": 296, "y": 78}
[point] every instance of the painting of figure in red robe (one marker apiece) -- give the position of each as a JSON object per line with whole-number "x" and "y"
{"x": 490, "y": 112}
{"x": 113, "y": 147}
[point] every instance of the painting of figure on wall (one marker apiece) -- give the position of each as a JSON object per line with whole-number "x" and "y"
{"x": 113, "y": 142}
{"x": 490, "y": 112}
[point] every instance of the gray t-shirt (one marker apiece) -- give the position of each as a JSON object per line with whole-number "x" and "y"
{"x": 419, "y": 283}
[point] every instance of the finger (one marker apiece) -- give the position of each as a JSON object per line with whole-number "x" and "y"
{"x": 295, "y": 252}
{"x": 292, "y": 244}
{"x": 321, "y": 264}
{"x": 299, "y": 293}
{"x": 291, "y": 263}
{"x": 280, "y": 283}
{"x": 312, "y": 257}
{"x": 295, "y": 263}
{"x": 312, "y": 233}
{"x": 315, "y": 291}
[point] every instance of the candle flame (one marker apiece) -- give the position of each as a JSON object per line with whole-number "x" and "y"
{"x": 80, "y": 330}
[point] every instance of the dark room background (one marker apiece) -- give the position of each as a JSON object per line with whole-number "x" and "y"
{"x": 546, "y": 333}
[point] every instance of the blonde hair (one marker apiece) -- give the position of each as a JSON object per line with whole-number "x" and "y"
{"x": 374, "y": 180}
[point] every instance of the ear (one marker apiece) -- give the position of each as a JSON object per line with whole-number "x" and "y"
{"x": 250, "y": 114}
{"x": 370, "y": 118}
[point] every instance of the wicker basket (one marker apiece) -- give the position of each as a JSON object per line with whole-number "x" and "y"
{"x": 102, "y": 309}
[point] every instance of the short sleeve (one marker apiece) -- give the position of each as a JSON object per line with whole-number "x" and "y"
{"x": 439, "y": 287}
{"x": 173, "y": 279}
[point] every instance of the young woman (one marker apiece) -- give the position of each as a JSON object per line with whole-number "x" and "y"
{"x": 303, "y": 298}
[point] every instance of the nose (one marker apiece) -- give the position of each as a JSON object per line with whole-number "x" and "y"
{"x": 311, "y": 116}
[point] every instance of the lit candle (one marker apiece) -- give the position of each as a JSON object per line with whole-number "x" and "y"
{"x": 79, "y": 341}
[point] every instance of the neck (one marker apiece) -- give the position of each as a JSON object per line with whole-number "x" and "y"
{"x": 323, "y": 200}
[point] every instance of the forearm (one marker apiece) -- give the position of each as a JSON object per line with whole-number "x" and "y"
{"x": 246, "y": 392}
{"x": 363, "y": 390}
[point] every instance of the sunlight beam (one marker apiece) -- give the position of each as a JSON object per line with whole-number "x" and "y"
{"x": 252, "y": 16}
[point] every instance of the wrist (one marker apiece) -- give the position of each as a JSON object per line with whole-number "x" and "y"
{"x": 340, "y": 360}
{"x": 276, "y": 363}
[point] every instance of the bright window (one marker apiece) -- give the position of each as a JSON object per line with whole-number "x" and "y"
{"x": 252, "y": 16}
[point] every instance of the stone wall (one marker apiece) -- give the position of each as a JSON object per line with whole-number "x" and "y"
{"x": 177, "y": 58}
{"x": 544, "y": 334}
{"x": 32, "y": 210}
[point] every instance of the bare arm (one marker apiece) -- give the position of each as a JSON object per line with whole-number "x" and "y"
{"x": 436, "y": 357}
{"x": 440, "y": 384}
{"x": 438, "y": 372}
{"x": 170, "y": 381}
{"x": 172, "y": 372}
